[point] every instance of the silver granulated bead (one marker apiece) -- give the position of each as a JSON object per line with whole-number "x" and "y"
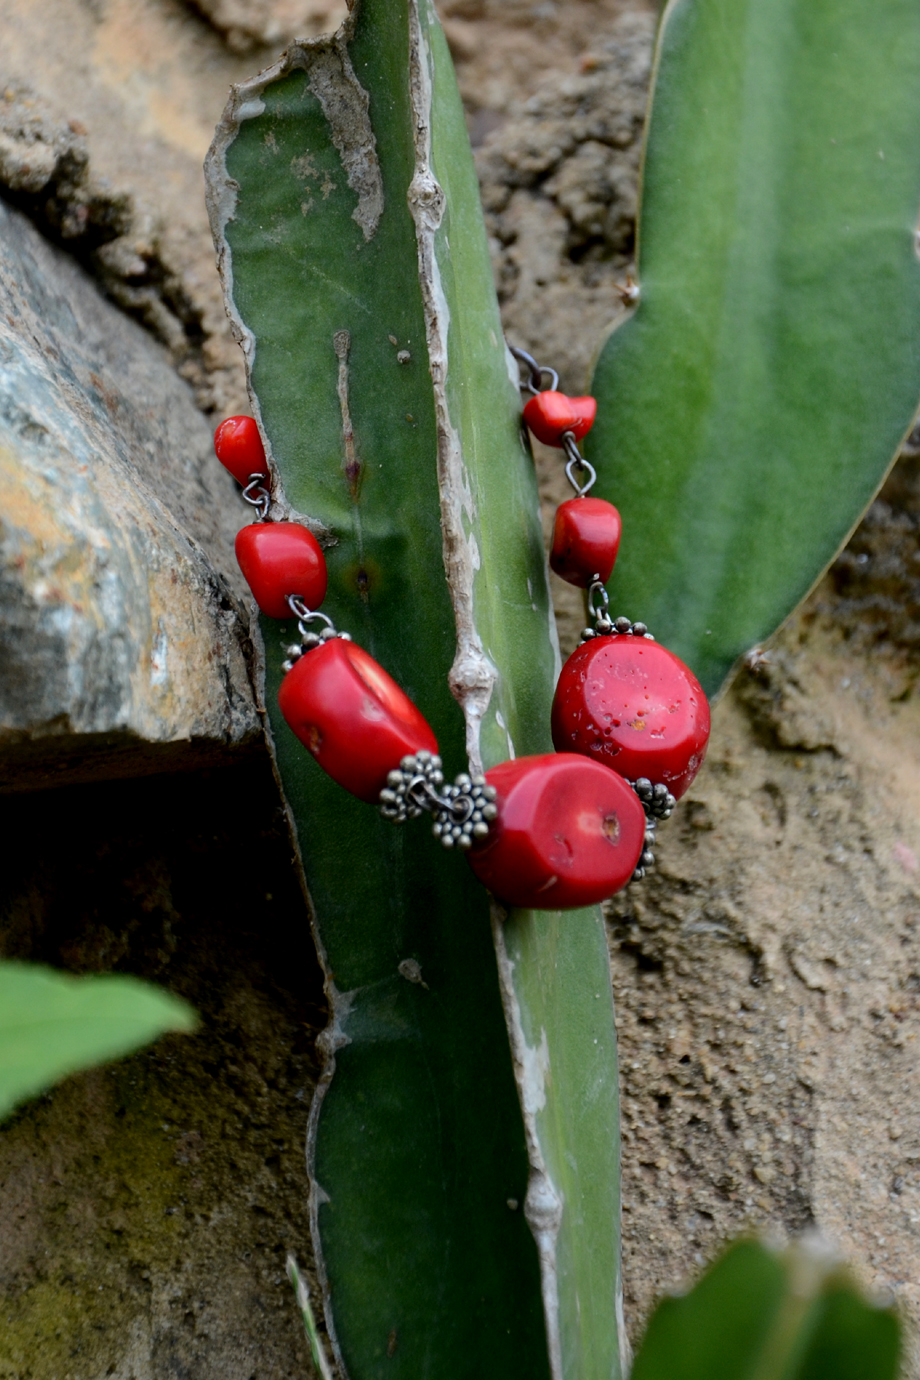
{"x": 657, "y": 800}
{"x": 410, "y": 786}
{"x": 467, "y": 809}
{"x": 604, "y": 627}
{"x": 647, "y": 856}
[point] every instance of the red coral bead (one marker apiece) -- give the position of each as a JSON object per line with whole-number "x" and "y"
{"x": 239, "y": 448}
{"x": 569, "y": 833}
{"x": 352, "y": 716}
{"x": 586, "y": 538}
{"x": 278, "y": 559}
{"x": 628, "y": 702}
{"x": 549, "y": 414}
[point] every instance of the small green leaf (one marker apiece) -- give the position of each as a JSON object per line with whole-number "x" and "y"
{"x": 750, "y": 408}
{"x": 851, "y": 1341}
{"x": 309, "y": 1322}
{"x": 52, "y": 1024}
{"x": 761, "y": 1315}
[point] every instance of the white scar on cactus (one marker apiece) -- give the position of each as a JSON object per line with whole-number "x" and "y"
{"x": 472, "y": 675}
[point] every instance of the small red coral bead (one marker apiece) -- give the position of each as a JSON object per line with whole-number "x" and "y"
{"x": 569, "y": 833}
{"x": 586, "y": 538}
{"x": 629, "y": 703}
{"x": 353, "y": 717}
{"x": 550, "y": 414}
{"x": 239, "y": 448}
{"x": 278, "y": 559}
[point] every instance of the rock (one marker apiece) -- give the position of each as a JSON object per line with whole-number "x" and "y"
{"x": 46, "y": 171}
{"x": 247, "y": 24}
{"x": 121, "y": 642}
{"x": 564, "y": 167}
{"x": 44, "y": 163}
{"x": 117, "y": 104}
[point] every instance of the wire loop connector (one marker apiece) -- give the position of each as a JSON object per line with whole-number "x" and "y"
{"x": 308, "y": 638}
{"x": 258, "y": 496}
{"x": 462, "y": 811}
{"x": 604, "y": 625}
{"x": 535, "y": 372}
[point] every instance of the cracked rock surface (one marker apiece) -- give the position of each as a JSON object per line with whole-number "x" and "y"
{"x": 121, "y": 643}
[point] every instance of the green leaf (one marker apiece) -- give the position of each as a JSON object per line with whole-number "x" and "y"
{"x": 52, "y": 1024}
{"x": 761, "y": 1315}
{"x": 750, "y": 408}
{"x": 455, "y": 1236}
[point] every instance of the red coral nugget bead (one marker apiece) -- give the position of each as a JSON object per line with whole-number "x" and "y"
{"x": 550, "y": 414}
{"x": 352, "y": 716}
{"x": 629, "y": 703}
{"x": 278, "y": 559}
{"x": 569, "y": 833}
{"x": 586, "y": 538}
{"x": 239, "y": 449}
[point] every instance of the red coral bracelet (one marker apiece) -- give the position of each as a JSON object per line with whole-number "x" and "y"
{"x": 630, "y": 721}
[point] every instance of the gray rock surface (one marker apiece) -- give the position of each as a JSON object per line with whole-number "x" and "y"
{"x": 121, "y": 643}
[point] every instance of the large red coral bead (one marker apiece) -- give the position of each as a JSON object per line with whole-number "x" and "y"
{"x": 239, "y": 448}
{"x": 278, "y": 559}
{"x": 352, "y": 716}
{"x": 628, "y": 702}
{"x": 569, "y": 833}
{"x": 550, "y": 414}
{"x": 586, "y": 538}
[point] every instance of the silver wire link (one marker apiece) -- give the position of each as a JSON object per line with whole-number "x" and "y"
{"x": 599, "y": 608}
{"x": 535, "y": 371}
{"x": 258, "y": 496}
{"x": 421, "y": 792}
{"x": 304, "y": 615}
{"x": 577, "y": 461}
{"x": 462, "y": 811}
{"x": 604, "y": 625}
{"x": 309, "y": 639}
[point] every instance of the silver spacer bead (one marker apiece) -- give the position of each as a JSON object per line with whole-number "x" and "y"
{"x": 467, "y": 809}
{"x": 407, "y": 785}
{"x": 657, "y": 800}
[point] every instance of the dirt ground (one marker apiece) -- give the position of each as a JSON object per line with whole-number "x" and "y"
{"x": 767, "y": 975}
